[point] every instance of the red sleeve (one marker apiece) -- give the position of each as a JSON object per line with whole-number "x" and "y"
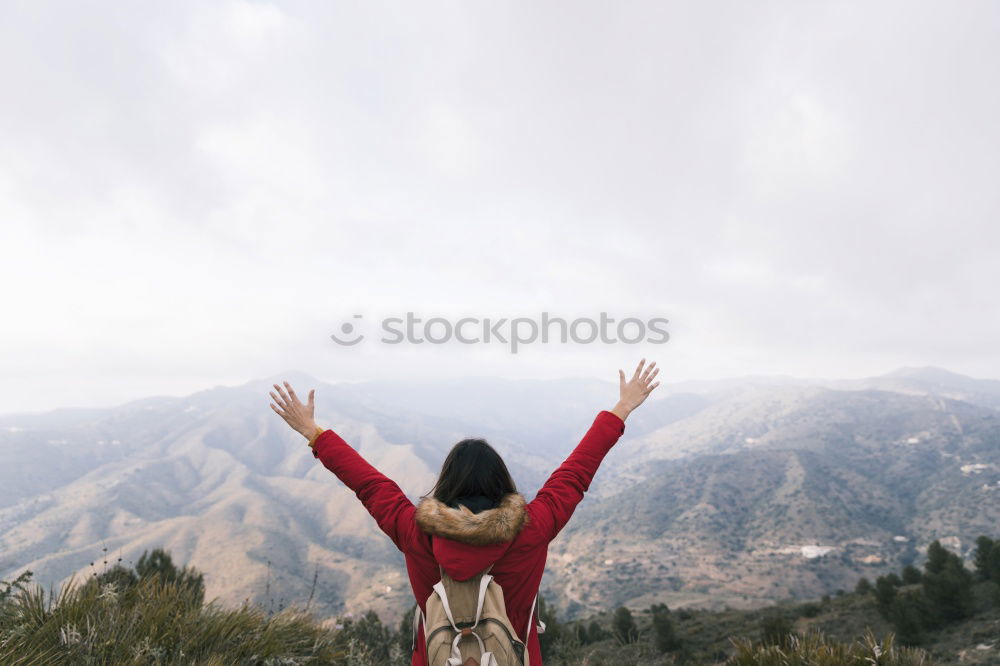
{"x": 385, "y": 501}
{"x": 555, "y": 502}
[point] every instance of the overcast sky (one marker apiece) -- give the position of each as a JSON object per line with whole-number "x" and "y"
{"x": 200, "y": 193}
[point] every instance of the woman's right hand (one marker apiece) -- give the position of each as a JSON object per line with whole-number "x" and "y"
{"x": 635, "y": 391}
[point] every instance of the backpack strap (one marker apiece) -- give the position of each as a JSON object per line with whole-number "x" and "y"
{"x": 443, "y": 595}
{"x": 418, "y": 617}
{"x": 483, "y": 584}
{"x": 531, "y": 613}
{"x": 486, "y": 657}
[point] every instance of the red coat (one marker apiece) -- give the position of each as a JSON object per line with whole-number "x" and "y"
{"x": 517, "y": 565}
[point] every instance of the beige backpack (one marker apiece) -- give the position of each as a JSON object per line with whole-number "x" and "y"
{"x": 466, "y": 624}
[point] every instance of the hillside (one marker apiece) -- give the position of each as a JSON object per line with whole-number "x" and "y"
{"x": 790, "y": 492}
{"x": 734, "y": 494}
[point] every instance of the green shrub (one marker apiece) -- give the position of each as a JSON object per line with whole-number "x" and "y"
{"x": 153, "y": 621}
{"x": 814, "y": 649}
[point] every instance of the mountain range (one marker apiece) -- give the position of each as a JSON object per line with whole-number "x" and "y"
{"x": 727, "y": 493}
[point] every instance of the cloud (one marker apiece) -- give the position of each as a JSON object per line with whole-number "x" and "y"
{"x": 194, "y": 193}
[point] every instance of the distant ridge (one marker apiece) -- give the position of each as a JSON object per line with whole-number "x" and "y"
{"x": 795, "y": 487}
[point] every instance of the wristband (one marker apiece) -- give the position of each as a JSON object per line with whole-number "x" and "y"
{"x": 315, "y": 436}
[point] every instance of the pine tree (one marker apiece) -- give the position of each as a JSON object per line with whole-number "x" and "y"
{"x": 937, "y": 558}
{"x": 864, "y": 586}
{"x": 159, "y": 563}
{"x": 988, "y": 559}
{"x": 553, "y": 630}
{"x": 885, "y": 593}
{"x": 908, "y": 614}
{"x": 369, "y": 631}
{"x": 775, "y": 629}
{"x": 950, "y": 593}
{"x": 580, "y": 633}
{"x": 663, "y": 630}
{"x": 595, "y": 632}
{"x": 623, "y": 626}
{"x": 405, "y": 635}
{"x": 983, "y": 558}
{"x": 911, "y": 575}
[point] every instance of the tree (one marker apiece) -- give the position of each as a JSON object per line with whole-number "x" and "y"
{"x": 579, "y": 631}
{"x": 885, "y": 593}
{"x": 665, "y": 637}
{"x": 937, "y": 558}
{"x": 863, "y": 586}
{"x": 595, "y": 632}
{"x": 623, "y": 626}
{"x": 156, "y": 564}
{"x": 987, "y": 559}
{"x": 984, "y": 552}
{"x": 7, "y": 590}
{"x": 909, "y": 615}
{"x": 159, "y": 563}
{"x": 405, "y": 634}
{"x": 911, "y": 575}
{"x": 553, "y": 630}
{"x": 369, "y": 631}
{"x": 122, "y": 577}
{"x": 949, "y": 590}
{"x": 775, "y": 629}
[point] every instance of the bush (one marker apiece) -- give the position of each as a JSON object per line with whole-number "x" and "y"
{"x": 152, "y": 621}
{"x": 814, "y": 649}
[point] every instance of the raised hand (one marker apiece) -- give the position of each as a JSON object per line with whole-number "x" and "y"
{"x": 290, "y": 408}
{"x": 634, "y": 392}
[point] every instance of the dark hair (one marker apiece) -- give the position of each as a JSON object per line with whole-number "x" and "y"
{"x": 473, "y": 467}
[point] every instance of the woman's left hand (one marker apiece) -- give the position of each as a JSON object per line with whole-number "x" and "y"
{"x": 290, "y": 408}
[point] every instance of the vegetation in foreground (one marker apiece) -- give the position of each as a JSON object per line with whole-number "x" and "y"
{"x": 155, "y": 614}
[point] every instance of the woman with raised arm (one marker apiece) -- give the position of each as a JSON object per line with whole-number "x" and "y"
{"x": 474, "y": 519}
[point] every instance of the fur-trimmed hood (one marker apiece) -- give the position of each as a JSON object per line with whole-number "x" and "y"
{"x": 487, "y": 527}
